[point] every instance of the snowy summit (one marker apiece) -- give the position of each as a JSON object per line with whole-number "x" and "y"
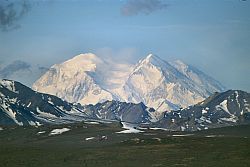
{"x": 159, "y": 84}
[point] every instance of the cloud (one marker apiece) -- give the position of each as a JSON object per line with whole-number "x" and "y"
{"x": 123, "y": 55}
{"x": 14, "y": 67}
{"x": 11, "y": 12}
{"x": 135, "y": 7}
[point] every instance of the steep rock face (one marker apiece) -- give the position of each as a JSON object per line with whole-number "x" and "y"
{"x": 221, "y": 109}
{"x": 163, "y": 86}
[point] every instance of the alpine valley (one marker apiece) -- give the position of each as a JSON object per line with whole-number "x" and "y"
{"x": 150, "y": 94}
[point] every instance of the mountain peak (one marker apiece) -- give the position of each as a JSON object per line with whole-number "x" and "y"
{"x": 88, "y": 79}
{"x": 152, "y": 59}
{"x": 85, "y": 58}
{"x": 149, "y": 56}
{"x": 82, "y": 62}
{"x": 88, "y": 56}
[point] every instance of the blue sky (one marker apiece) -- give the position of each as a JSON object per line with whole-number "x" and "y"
{"x": 213, "y": 35}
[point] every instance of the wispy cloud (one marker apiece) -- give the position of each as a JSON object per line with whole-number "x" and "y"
{"x": 14, "y": 67}
{"x": 11, "y": 12}
{"x": 135, "y": 7}
{"x": 122, "y": 55}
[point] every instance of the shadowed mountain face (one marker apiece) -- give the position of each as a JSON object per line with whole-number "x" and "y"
{"x": 128, "y": 112}
{"x": 23, "y": 106}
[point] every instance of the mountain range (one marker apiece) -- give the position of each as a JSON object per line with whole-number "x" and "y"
{"x": 164, "y": 86}
{"x": 220, "y": 109}
{"x": 20, "y": 105}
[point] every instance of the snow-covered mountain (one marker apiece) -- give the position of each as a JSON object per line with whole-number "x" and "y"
{"x": 163, "y": 86}
{"x": 88, "y": 79}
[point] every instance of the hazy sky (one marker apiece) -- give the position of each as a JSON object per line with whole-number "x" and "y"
{"x": 213, "y": 35}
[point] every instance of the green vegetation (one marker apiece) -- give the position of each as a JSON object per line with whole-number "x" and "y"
{"x": 22, "y": 146}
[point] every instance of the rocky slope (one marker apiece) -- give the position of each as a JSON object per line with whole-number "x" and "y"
{"x": 22, "y": 106}
{"x": 221, "y": 109}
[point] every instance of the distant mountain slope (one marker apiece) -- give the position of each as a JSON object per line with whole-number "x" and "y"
{"x": 88, "y": 79}
{"x": 221, "y": 109}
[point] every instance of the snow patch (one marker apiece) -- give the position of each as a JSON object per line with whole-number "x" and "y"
{"x": 183, "y": 128}
{"x": 182, "y": 135}
{"x": 223, "y": 106}
{"x": 246, "y": 105}
{"x": 92, "y": 123}
{"x": 210, "y": 136}
{"x": 204, "y": 111}
{"x": 45, "y": 114}
{"x": 89, "y": 138}
{"x": 32, "y": 123}
{"x": 159, "y": 129}
{"x": 38, "y": 123}
{"x": 29, "y": 104}
{"x": 12, "y": 114}
{"x": 130, "y": 128}
{"x": 231, "y": 119}
{"x": 58, "y": 131}
{"x": 237, "y": 98}
{"x": 42, "y": 132}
